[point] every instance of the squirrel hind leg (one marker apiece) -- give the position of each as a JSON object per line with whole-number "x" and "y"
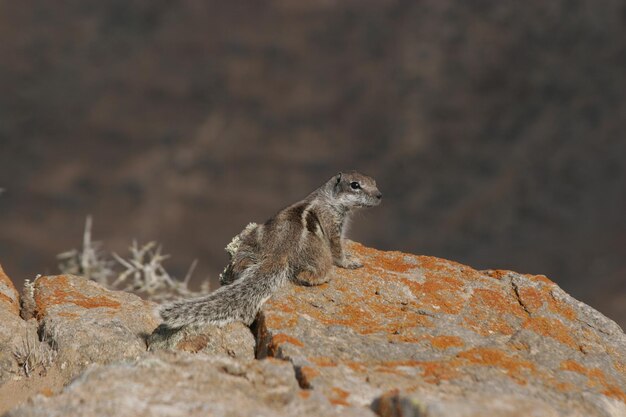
{"x": 311, "y": 276}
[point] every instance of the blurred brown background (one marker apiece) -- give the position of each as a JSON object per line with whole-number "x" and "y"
{"x": 495, "y": 129}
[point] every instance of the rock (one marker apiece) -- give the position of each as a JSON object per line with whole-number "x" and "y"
{"x": 182, "y": 384}
{"x": 234, "y": 340}
{"x": 90, "y": 324}
{"x": 439, "y": 334}
{"x": 404, "y": 336}
{"x": 504, "y": 405}
{"x": 17, "y": 337}
{"x": 9, "y": 297}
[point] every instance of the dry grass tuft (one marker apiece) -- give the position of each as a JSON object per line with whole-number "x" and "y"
{"x": 36, "y": 356}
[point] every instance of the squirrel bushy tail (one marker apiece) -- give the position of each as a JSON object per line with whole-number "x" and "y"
{"x": 239, "y": 301}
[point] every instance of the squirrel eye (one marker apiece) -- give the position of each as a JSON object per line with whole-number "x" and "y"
{"x": 355, "y": 185}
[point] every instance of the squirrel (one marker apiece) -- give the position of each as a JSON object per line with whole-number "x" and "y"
{"x": 300, "y": 243}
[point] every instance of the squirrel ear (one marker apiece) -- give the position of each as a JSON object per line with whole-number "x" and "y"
{"x": 338, "y": 178}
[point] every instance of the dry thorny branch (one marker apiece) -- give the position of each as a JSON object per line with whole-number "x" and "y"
{"x": 90, "y": 261}
{"x": 143, "y": 269}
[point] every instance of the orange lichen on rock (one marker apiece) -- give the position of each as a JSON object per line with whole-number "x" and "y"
{"x": 306, "y": 374}
{"x": 596, "y": 378}
{"x": 404, "y": 338}
{"x": 46, "y": 392}
{"x": 496, "y": 302}
{"x": 11, "y": 303}
{"x": 360, "y": 310}
{"x": 620, "y": 366}
{"x": 4, "y": 279}
{"x": 560, "y": 307}
{"x": 68, "y": 314}
{"x": 393, "y": 371}
{"x": 437, "y": 293}
{"x": 339, "y": 396}
{"x": 514, "y": 366}
{"x": 430, "y": 263}
{"x": 437, "y": 371}
{"x": 13, "y": 298}
{"x": 372, "y": 316}
{"x": 365, "y": 312}
{"x": 396, "y": 317}
{"x": 389, "y": 261}
{"x": 540, "y": 278}
{"x": 445, "y": 342}
{"x": 534, "y": 299}
{"x": 356, "y": 366}
{"x": 309, "y": 372}
{"x": 496, "y": 273}
{"x": 281, "y": 321}
{"x": 60, "y": 292}
{"x": 489, "y": 310}
{"x": 323, "y": 361}
{"x": 408, "y": 362}
{"x": 454, "y": 273}
{"x": 551, "y": 328}
{"x": 285, "y": 305}
{"x": 283, "y": 338}
{"x": 304, "y": 394}
{"x": 571, "y": 365}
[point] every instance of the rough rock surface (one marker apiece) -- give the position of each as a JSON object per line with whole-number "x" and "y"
{"x": 90, "y": 324}
{"x": 15, "y": 337}
{"x": 441, "y": 338}
{"x": 404, "y": 336}
{"x": 15, "y": 333}
{"x": 187, "y": 385}
{"x": 234, "y": 340}
{"x": 9, "y": 297}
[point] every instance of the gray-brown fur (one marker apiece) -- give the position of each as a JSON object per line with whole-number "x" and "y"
{"x": 300, "y": 243}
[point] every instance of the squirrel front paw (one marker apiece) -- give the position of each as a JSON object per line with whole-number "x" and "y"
{"x": 350, "y": 262}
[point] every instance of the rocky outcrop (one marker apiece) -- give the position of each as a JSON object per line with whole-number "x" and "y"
{"x": 441, "y": 337}
{"x": 403, "y": 336}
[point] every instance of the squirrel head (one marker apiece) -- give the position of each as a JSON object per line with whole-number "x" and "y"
{"x": 355, "y": 190}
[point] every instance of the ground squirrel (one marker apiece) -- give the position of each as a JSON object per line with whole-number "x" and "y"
{"x": 300, "y": 243}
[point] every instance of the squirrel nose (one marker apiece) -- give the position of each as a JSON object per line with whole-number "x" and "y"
{"x": 379, "y": 195}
